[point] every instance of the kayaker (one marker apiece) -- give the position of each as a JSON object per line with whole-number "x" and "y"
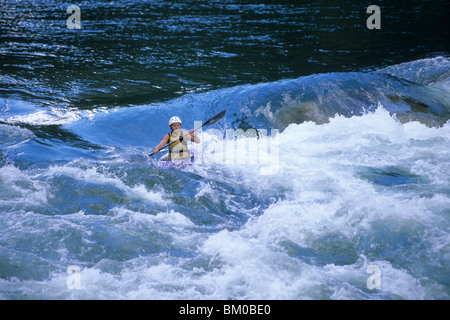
{"x": 179, "y": 149}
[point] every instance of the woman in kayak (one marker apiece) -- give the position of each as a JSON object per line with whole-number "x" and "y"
{"x": 179, "y": 149}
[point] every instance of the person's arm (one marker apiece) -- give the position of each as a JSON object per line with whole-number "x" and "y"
{"x": 194, "y": 137}
{"x": 162, "y": 143}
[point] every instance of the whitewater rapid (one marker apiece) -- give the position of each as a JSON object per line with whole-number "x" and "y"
{"x": 350, "y": 195}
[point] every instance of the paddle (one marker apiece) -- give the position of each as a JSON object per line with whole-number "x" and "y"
{"x": 208, "y": 122}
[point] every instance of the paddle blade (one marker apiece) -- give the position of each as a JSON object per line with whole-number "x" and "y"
{"x": 214, "y": 119}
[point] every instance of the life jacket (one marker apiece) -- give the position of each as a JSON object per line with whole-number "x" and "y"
{"x": 179, "y": 149}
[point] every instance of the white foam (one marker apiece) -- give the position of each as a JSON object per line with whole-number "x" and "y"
{"x": 326, "y": 197}
{"x": 45, "y": 117}
{"x": 96, "y": 174}
{"x": 13, "y": 136}
{"x": 316, "y": 242}
{"x": 20, "y": 187}
{"x": 431, "y": 71}
{"x": 170, "y": 218}
{"x": 53, "y": 116}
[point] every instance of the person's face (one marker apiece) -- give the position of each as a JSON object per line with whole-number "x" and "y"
{"x": 175, "y": 126}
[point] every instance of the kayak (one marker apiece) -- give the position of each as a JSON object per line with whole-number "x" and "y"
{"x": 179, "y": 164}
{"x": 182, "y": 164}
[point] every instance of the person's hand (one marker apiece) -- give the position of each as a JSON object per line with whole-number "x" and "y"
{"x": 156, "y": 150}
{"x": 192, "y": 132}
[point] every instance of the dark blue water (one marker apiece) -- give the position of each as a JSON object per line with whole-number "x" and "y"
{"x": 328, "y": 178}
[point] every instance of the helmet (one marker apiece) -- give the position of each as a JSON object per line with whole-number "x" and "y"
{"x": 174, "y": 120}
